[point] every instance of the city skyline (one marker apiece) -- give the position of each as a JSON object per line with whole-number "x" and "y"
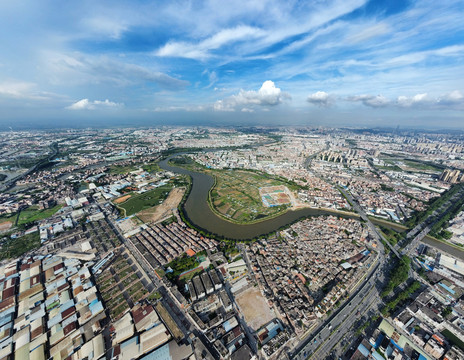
{"x": 367, "y": 63}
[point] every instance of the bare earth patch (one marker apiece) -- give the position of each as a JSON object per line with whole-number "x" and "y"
{"x": 255, "y": 308}
{"x": 164, "y": 210}
{"x": 121, "y": 199}
{"x": 5, "y": 225}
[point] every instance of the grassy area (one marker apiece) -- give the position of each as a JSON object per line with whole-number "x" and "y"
{"x": 391, "y": 235}
{"x": 180, "y": 265}
{"x": 389, "y": 168}
{"x": 453, "y": 339}
{"x": 421, "y": 165}
{"x": 235, "y": 194}
{"x": 9, "y": 217}
{"x": 190, "y": 275}
{"x": 32, "y": 214}
{"x": 151, "y": 168}
{"x": 154, "y": 296}
{"x": 146, "y": 200}
{"x": 397, "y": 275}
{"x": 12, "y": 248}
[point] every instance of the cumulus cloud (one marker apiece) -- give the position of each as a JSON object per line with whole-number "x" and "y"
{"x": 375, "y": 101}
{"x": 320, "y": 98}
{"x": 453, "y": 98}
{"x": 85, "y": 104}
{"x": 422, "y": 101}
{"x": 267, "y": 95}
{"x": 419, "y": 99}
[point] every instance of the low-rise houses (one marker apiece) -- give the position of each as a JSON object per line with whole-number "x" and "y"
{"x": 301, "y": 270}
{"x": 58, "y": 312}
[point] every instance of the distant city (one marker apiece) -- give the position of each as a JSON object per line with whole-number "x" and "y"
{"x": 231, "y": 243}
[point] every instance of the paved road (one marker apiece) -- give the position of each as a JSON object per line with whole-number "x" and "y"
{"x": 430, "y": 222}
{"x": 372, "y": 227}
{"x": 329, "y": 334}
{"x": 334, "y": 335}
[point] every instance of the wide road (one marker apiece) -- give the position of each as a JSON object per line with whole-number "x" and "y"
{"x": 426, "y": 226}
{"x": 330, "y": 333}
{"x": 334, "y": 335}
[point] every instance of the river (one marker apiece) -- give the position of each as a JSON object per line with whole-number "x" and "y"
{"x": 200, "y": 214}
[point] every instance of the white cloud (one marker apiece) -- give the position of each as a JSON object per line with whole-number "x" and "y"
{"x": 179, "y": 108}
{"x": 105, "y": 26}
{"x": 81, "y": 69}
{"x": 202, "y": 49}
{"x": 22, "y": 90}
{"x": 454, "y": 96}
{"x": 85, "y": 104}
{"x": 454, "y": 99}
{"x": 374, "y": 101}
{"x": 366, "y": 33}
{"x": 404, "y": 101}
{"x": 267, "y": 95}
{"x": 320, "y": 98}
{"x": 422, "y": 101}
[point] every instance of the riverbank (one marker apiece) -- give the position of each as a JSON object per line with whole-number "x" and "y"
{"x": 198, "y": 213}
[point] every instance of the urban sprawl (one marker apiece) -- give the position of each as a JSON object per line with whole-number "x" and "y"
{"x": 101, "y": 257}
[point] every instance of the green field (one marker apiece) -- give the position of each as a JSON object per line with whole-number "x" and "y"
{"x": 394, "y": 164}
{"x": 32, "y": 214}
{"x": 236, "y": 197}
{"x": 12, "y": 248}
{"x": 421, "y": 166}
{"x": 151, "y": 168}
{"x": 146, "y": 200}
{"x": 453, "y": 339}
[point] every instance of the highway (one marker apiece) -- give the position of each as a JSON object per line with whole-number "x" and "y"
{"x": 334, "y": 335}
{"x": 430, "y": 222}
{"x": 320, "y": 343}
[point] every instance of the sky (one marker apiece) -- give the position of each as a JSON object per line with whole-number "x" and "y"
{"x": 266, "y": 62}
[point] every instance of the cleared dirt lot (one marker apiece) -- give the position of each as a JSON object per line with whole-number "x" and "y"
{"x": 121, "y": 199}
{"x": 159, "y": 212}
{"x": 255, "y": 308}
{"x": 5, "y": 225}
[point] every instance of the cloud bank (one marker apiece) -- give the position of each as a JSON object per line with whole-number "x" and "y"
{"x": 267, "y": 95}
{"x": 85, "y": 104}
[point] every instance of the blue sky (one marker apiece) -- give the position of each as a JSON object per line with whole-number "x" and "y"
{"x": 333, "y": 62}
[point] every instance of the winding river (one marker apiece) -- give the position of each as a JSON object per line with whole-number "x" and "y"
{"x": 198, "y": 211}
